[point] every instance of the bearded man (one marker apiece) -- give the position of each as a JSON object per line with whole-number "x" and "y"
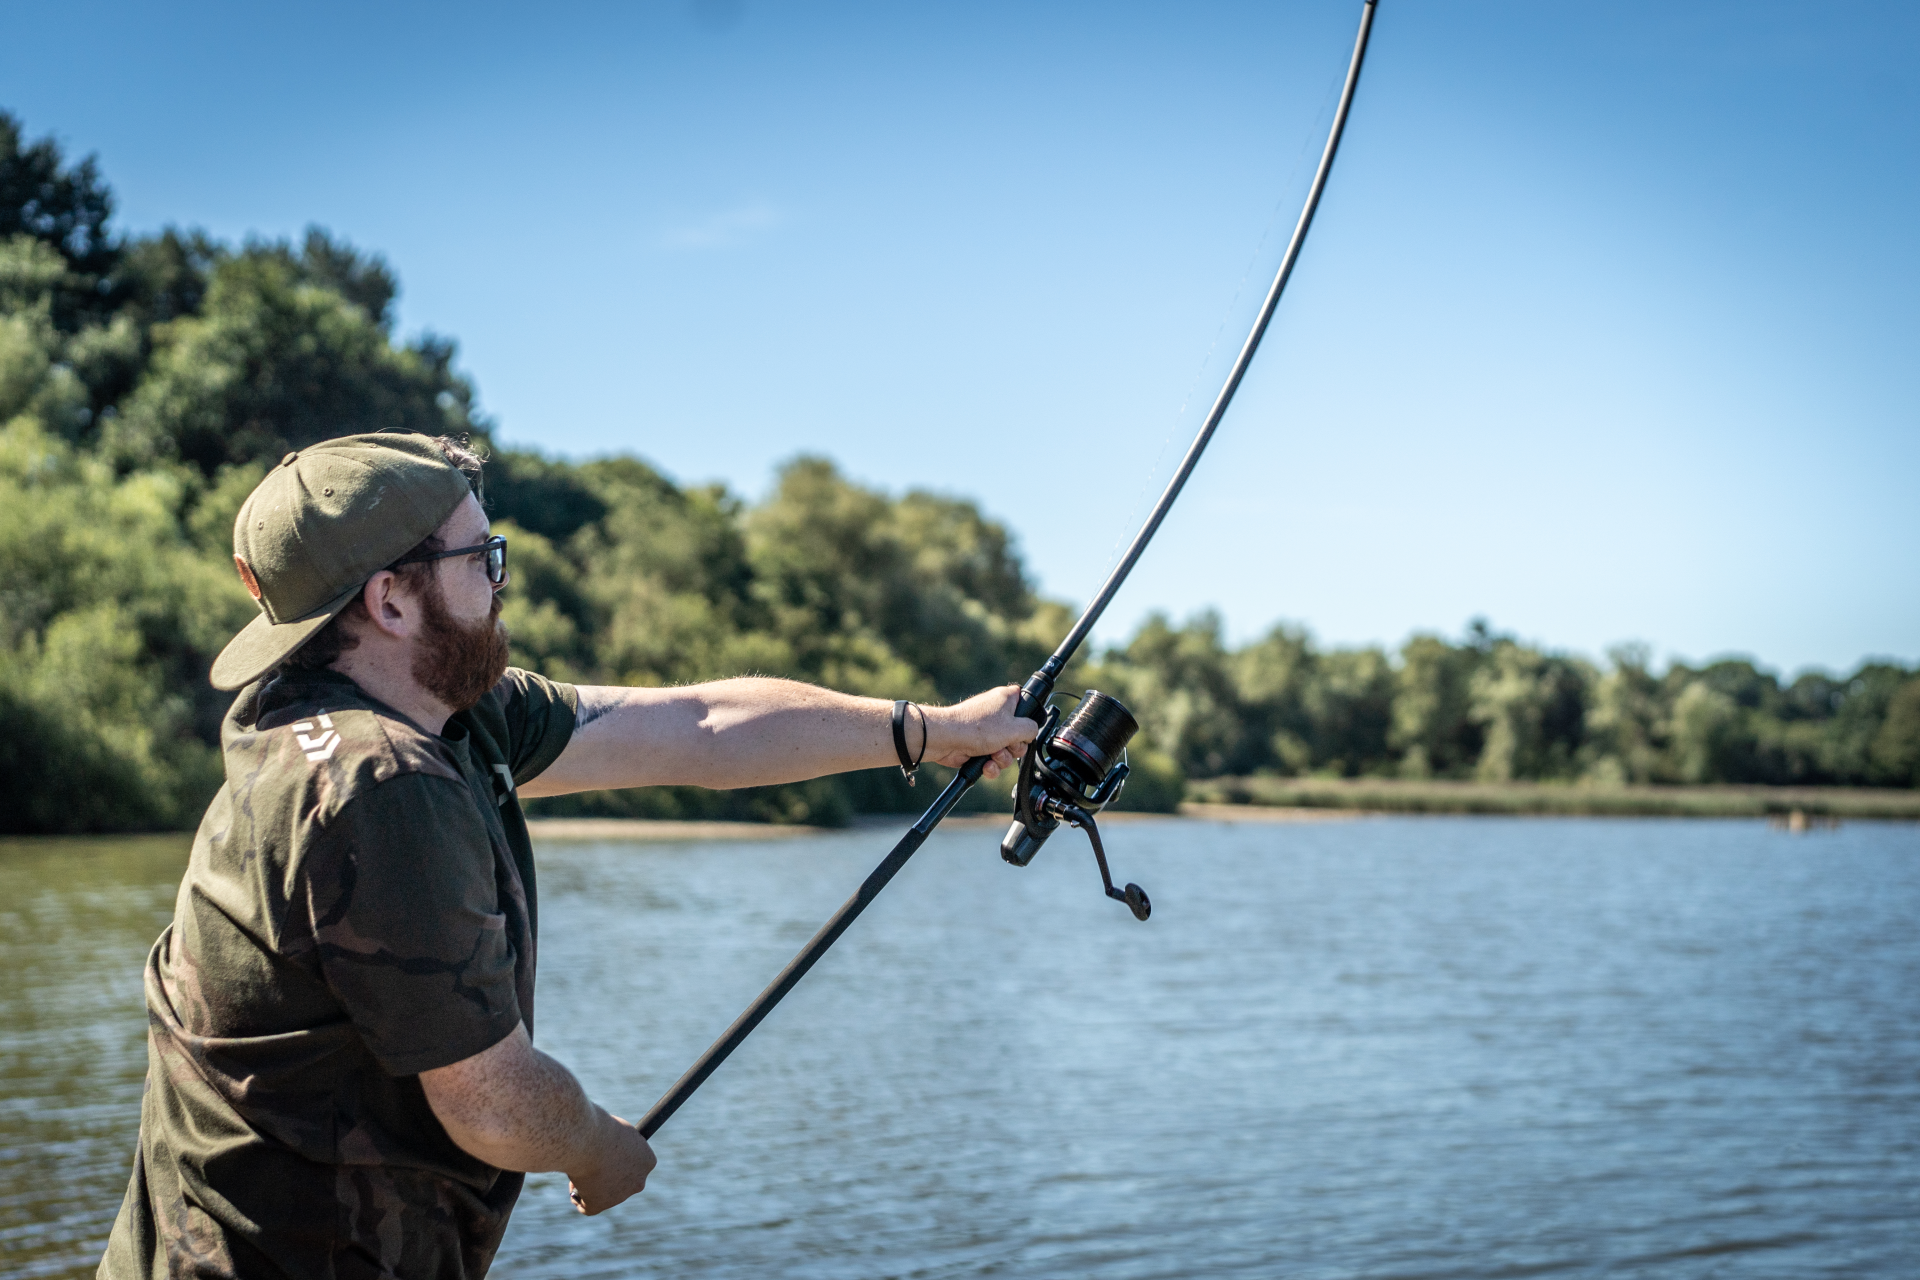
{"x": 341, "y": 1075}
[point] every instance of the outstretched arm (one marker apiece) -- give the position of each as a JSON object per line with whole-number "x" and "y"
{"x": 755, "y": 731}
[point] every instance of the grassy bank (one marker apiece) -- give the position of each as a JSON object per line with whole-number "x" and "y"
{"x": 1388, "y": 795}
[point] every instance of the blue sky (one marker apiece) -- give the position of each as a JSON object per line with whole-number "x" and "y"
{"x": 1607, "y": 330}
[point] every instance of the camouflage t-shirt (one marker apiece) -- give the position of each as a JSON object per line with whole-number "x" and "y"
{"x": 359, "y": 908}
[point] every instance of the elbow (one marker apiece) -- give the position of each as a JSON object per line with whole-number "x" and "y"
{"x": 483, "y": 1130}
{"x": 495, "y": 1105}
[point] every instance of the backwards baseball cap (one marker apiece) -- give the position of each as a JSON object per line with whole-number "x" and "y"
{"x": 326, "y": 519}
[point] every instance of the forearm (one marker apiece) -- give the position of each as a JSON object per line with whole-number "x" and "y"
{"x": 755, "y": 731}
{"x": 516, "y": 1108}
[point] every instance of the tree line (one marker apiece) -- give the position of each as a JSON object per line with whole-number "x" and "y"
{"x": 1489, "y": 708}
{"x": 148, "y": 381}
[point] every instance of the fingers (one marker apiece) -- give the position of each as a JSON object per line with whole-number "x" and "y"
{"x": 619, "y": 1172}
{"x": 995, "y": 763}
{"x": 982, "y": 725}
{"x": 1024, "y": 730}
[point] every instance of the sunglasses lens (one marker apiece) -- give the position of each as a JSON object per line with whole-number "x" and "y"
{"x": 497, "y": 562}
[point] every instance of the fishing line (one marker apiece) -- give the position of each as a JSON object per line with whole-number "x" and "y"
{"x": 1152, "y": 476}
{"x": 1071, "y": 770}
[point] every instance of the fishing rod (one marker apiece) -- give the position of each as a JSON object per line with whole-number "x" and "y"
{"x": 1071, "y": 770}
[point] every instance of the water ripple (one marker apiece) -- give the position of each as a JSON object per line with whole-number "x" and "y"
{"x": 1428, "y": 1049}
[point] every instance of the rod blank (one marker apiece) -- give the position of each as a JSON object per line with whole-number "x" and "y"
{"x": 1061, "y": 656}
{"x": 1041, "y": 684}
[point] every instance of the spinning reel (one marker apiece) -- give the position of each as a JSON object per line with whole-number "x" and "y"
{"x": 1072, "y": 771}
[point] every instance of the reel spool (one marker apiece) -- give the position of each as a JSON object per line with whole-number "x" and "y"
{"x": 1071, "y": 772}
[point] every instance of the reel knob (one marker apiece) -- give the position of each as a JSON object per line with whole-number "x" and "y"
{"x": 1019, "y": 844}
{"x": 1138, "y": 902}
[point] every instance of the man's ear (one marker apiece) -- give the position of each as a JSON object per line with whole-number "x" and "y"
{"x": 390, "y": 606}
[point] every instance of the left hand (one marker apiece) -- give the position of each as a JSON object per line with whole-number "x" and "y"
{"x": 983, "y": 725}
{"x": 616, "y": 1169}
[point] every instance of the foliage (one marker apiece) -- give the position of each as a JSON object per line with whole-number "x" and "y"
{"x": 283, "y": 350}
{"x": 1492, "y": 709}
{"x": 109, "y": 616}
{"x": 66, "y": 209}
{"x": 146, "y": 383}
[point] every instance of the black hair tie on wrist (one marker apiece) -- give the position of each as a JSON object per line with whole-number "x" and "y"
{"x": 908, "y": 766}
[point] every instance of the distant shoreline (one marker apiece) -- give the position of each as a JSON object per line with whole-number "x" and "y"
{"x": 1263, "y": 800}
{"x": 1279, "y": 800}
{"x": 1392, "y": 795}
{"x": 662, "y": 830}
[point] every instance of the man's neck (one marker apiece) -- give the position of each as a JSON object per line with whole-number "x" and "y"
{"x": 380, "y": 677}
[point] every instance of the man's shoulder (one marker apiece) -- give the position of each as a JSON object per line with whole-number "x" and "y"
{"x": 523, "y": 722}
{"x": 325, "y": 743}
{"x": 521, "y": 696}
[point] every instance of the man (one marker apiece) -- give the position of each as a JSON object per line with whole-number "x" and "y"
{"x": 342, "y": 1080}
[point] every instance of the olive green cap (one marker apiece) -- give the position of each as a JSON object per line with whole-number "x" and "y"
{"x": 326, "y": 519}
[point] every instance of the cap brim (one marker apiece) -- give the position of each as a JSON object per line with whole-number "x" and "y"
{"x": 262, "y": 645}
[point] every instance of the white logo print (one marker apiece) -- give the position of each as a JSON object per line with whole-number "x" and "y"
{"x": 318, "y": 746}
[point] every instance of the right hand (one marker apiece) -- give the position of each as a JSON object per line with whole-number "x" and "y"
{"x": 619, "y": 1170}
{"x": 983, "y": 725}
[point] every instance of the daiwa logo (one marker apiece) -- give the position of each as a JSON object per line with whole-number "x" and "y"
{"x": 318, "y": 746}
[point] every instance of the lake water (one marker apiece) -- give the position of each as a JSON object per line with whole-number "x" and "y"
{"x": 1373, "y": 1048}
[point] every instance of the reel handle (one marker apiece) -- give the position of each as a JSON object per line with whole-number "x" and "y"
{"x": 1133, "y": 895}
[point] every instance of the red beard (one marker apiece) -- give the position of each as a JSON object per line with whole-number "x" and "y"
{"x": 459, "y": 662}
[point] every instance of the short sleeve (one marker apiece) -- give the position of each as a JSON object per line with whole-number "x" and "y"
{"x": 539, "y": 721}
{"x": 411, "y": 936}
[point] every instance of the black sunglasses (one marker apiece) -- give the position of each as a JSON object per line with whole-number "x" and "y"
{"x": 495, "y": 547}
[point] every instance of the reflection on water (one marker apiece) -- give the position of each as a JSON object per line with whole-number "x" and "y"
{"x": 76, "y": 920}
{"x": 1389, "y": 1047}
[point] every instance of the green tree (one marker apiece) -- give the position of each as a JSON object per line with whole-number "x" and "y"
{"x": 1625, "y": 723}
{"x": 1434, "y": 732}
{"x": 869, "y": 594}
{"x": 1896, "y": 745}
{"x": 65, "y": 207}
{"x": 666, "y": 571}
{"x": 1271, "y": 677}
{"x": 36, "y": 378}
{"x": 1349, "y": 704}
{"x": 109, "y": 619}
{"x": 1179, "y": 684}
{"x": 1532, "y": 707}
{"x": 550, "y": 498}
{"x": 1865, "y": 704}
{"x": 277, "y": 358}
{"x": 1706, "y": 733}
